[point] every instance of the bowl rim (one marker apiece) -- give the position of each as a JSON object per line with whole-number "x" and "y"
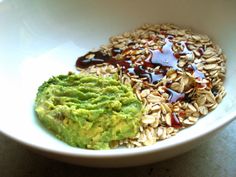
{"x": 87, "y": 153}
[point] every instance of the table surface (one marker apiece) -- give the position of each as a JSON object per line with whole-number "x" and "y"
{"x": 217, "y": 158}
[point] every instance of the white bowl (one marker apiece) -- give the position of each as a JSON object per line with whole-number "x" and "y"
{"x": 43, "y": 38}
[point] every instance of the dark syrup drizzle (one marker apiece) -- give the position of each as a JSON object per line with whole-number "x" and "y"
{"x": 175, "y": 96}
{"x": 175, "y": 121}
{"x": 165, "y": 58}
{"x": 196, "y": 73}
{"x": 116, "y": 51}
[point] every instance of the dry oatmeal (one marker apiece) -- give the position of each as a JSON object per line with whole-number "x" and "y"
{"x": 177, "y": 74}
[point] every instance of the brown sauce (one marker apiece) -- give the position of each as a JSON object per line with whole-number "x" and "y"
{"x": 175, "y": 122}
{"x": 164, "y": 58}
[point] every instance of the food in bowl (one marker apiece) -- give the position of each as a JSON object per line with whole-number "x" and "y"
{"x": 175, "y": 73}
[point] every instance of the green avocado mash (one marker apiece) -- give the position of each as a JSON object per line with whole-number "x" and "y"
{"x": 88, "y": 111}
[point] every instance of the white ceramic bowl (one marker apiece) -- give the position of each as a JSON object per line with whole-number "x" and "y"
{"x": 43, "y": 38}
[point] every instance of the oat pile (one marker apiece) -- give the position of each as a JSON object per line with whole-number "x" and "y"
{"x": 177, "y": 74}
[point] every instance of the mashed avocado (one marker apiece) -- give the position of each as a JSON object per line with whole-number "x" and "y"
{"x": 88, "y": 111}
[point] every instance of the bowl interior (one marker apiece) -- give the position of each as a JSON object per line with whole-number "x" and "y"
{"x": 46, "y": 39}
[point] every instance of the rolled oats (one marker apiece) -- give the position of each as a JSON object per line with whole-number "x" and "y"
{"x": 173, "y": 98}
